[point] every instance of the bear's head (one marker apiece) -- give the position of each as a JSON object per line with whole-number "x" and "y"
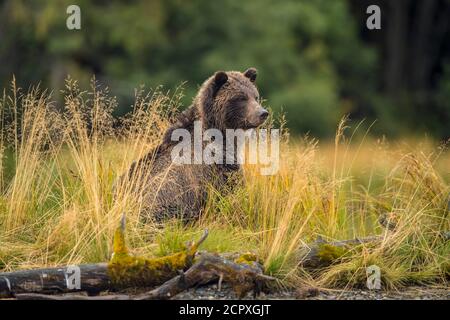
{"x": 230, "y": 100}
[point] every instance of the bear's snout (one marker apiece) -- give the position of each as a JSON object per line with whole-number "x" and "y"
{"x": 263, "y": 114}
{"x": 256, "y": 115}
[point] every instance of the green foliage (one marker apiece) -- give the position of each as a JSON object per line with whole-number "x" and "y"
{"x": 301, "y": 48}
{"x": 313, "y": 62}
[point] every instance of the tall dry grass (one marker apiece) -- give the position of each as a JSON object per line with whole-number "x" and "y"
{"x": 60, "y": 165}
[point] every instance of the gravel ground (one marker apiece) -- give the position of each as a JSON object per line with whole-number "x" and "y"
{"x": 211, "y": 292}
{"x": 411, "y": 293}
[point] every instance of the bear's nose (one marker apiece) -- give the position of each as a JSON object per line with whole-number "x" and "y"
{"x": 263, "y": 114}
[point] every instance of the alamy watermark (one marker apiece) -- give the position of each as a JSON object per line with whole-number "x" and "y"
{"x": 73, "y": 21}
{"x": 374, "y": 20}
{"x": 73, "y": 277}
{"x": 373, "y": 273}
{"x": 237, "y": 146}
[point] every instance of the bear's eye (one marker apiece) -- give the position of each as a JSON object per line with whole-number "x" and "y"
{"x": 240, "y": 99}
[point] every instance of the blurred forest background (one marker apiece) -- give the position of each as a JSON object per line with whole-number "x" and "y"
{"x": 316, "y": 59}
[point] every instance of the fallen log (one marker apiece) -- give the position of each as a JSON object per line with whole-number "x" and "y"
{"x": 244, "y": 275}
{"x": 323, "y": 253}
{"x": 122, "y": 271}
{"x": 92, "y": 278}
{"x": 126, "y": 271}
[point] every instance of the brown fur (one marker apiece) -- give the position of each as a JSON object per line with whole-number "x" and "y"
{"x": 227, "y": 100}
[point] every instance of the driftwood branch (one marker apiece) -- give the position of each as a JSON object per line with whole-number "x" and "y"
{"x": 93, "y": 278}
{"x": 323, "y": 253}
{"x": 243, "y": 277}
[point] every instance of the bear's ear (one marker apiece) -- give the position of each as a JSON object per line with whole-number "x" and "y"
{"x": 251, "y": 74}
{"x": 220, "y": 77}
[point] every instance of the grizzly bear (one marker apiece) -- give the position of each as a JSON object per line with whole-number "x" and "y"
{"x": 226, "y": 100}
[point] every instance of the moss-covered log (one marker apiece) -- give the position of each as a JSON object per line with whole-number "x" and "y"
{"x": 122, "y": 271}
{"x": 322, "y": 253}
{"x": 126, "y": 270}
{"x": 244, "y": 274}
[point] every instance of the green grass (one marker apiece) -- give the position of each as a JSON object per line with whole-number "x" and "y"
{"x": 57, "y": 205}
